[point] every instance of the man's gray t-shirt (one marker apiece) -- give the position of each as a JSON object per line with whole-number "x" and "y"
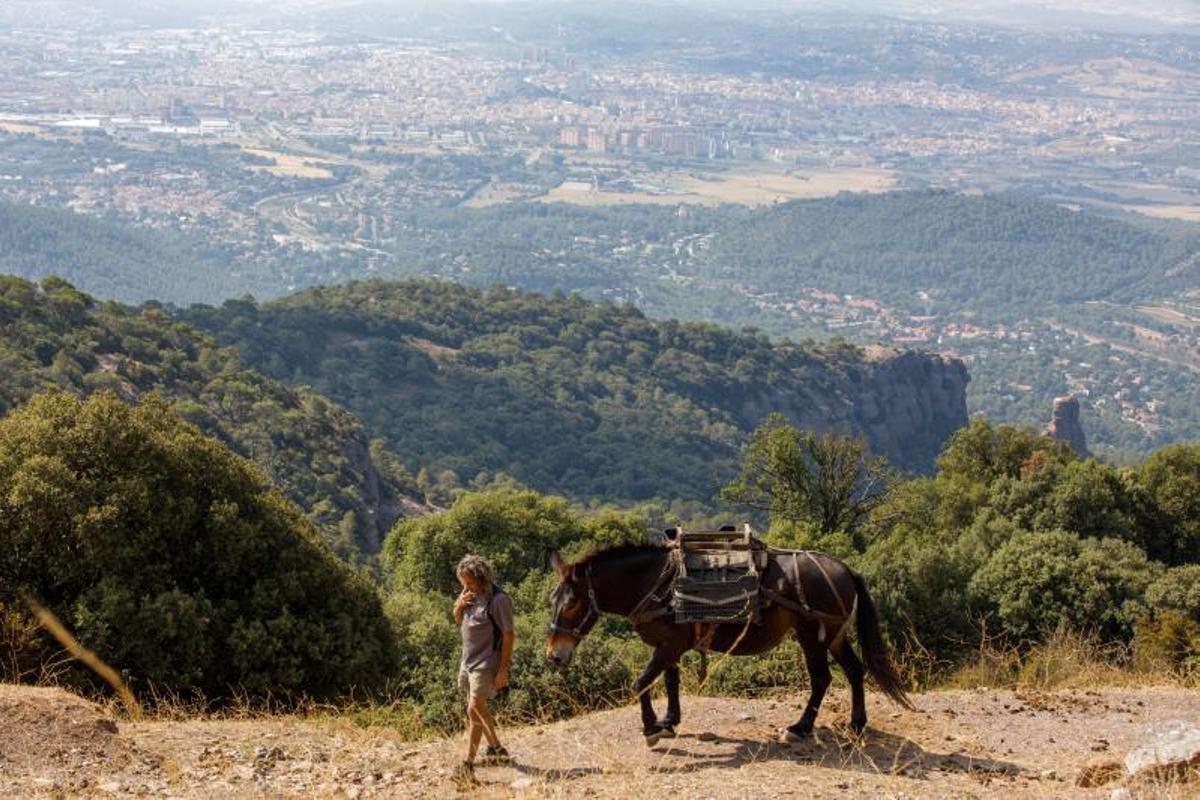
{"x": 478, "y": 651}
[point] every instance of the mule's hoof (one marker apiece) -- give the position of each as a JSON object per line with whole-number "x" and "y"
{"x": 657, "y": 736}
{"x": 790, "y": 736}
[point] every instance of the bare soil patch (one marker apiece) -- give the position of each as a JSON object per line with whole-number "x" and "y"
{"x": 52, "y": 740}
{"x": 288, "y": 164}
{"x": 983, "y": 743}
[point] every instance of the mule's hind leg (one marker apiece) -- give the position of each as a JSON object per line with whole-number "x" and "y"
{"x": 815, "y": 657}
{"x": 671, "y": 679}
{"x": 853, "y": 667}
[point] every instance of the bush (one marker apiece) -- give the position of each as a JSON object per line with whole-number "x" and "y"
{"x": 1038, "y": 581}
{"x": 1177, "y": 589}
{"x": 1090, "y": 499}
{"x": 919, "y": 585}
{"x": 175, "y": 560}
{"x": 1171, "y": 481}
{"x": 515, "y": 529}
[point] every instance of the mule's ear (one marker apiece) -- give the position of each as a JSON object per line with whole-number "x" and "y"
{"x": 560, "y": 566}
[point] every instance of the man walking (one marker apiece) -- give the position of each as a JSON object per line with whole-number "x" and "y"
{"x": 484, "y": 613}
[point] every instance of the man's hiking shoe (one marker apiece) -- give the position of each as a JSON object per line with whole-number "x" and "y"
{"x": 495, "y": 756}
{"x": 464, "y": 776}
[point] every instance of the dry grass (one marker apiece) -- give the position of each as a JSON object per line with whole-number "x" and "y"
{"x": 85, "y": 656}
{"x": 1066, "y": 660}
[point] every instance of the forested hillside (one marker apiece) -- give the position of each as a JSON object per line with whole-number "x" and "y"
{"x": 588, "y": 400}
{"x": 989, "y": 254}
{"x": 1040, "y": 299}
{"x": 52, "y": 335}
{"x": 111, "y": 260}
{"x": 992, "y": 254}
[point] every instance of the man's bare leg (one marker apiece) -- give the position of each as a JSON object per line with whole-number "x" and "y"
{"x": 488, "y": 722}
{"x": 474, "y": 731}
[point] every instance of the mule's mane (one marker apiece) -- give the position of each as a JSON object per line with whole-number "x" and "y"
{"x": 620, "y": 550}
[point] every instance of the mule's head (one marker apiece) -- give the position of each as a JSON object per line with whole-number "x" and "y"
{"x": 573, "y": 610}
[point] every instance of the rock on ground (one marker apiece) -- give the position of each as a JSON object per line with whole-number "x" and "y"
{"x": 1169, "y": 748}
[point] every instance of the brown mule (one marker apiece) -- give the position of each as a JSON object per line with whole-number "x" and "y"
{"x": 810, "y": 596}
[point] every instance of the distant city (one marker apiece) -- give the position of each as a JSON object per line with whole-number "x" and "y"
{"x": 325, "y": 150}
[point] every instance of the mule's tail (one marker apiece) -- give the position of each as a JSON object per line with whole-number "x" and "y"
{"x": 874, "y": 650}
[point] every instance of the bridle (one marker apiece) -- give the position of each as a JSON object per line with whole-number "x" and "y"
{"x": 589, "y": 619}
{"x": 637, "y": 615}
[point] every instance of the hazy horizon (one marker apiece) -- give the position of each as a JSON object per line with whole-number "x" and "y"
{"x": 1115, "y": 16}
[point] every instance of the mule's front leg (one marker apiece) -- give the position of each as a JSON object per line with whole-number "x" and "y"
{"x": 671, "y": 679}
{"x": 660, "y": 661}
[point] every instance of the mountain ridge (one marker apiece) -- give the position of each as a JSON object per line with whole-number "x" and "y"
{"x": 598, "y": 387}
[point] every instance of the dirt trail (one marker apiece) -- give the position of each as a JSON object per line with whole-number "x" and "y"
{"x": 956, "y": 744}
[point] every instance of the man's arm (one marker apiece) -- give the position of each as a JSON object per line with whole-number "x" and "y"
{"x": 506, "y": 651}
{"x": 502, "y": 609}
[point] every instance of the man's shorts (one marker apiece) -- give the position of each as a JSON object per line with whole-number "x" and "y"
{"x": 477, "y": 682}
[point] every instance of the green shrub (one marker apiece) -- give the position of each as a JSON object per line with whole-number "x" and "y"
{"x": 918, "y": 582}
{"x": 175, "y": 560}
{"x": 1170, "y": 480}
{"x": 1090, "y": 499}
{"x": 1177, "y": 589}
{"x": 1038, "y": 581}
{"x": 515, "y": 529}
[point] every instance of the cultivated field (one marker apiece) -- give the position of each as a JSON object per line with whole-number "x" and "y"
{"x": 742, "y": 187}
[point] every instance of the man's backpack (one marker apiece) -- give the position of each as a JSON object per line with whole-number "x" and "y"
{"x": 497, "y": 634}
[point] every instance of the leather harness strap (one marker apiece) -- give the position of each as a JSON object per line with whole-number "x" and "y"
{"x": 828, "y": 580}
{"x": 840, "y": 621}
{"x": 593, "y": 610}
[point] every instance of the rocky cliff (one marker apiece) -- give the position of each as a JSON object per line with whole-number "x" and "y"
{"x": 906, "y": 403}
{"x": 909, "y": 403}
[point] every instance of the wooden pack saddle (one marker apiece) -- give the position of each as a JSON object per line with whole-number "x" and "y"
{"x": 717, "y": 575}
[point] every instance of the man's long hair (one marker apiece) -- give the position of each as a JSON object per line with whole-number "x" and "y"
{"x": 478, "y": 568}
